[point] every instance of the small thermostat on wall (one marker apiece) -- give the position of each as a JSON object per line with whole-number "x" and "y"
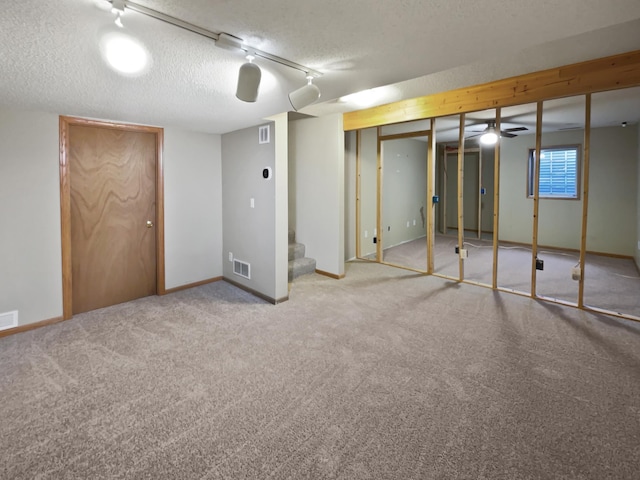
{"x": 267, "y": 173}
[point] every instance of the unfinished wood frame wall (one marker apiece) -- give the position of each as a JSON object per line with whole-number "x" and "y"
{"x": 496, "y": 202}
{"x": 445, "y": 171}
{"x": 610, "y": 73}
{"x": 379, "y": 197}
{"x": 461, "y": 198}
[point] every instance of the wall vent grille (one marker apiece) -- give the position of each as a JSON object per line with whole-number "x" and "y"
{"x": 242, "y": 268}
{"x": 264, "y": 134}
{"x": 8, "y": 320}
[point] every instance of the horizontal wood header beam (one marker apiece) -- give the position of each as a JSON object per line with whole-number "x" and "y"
{"x": 609, "y": 73}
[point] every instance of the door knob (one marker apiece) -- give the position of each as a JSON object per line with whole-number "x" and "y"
{"x": 149, "y": 224}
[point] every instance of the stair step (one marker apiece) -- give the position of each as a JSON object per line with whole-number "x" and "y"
{"x": 296, "y": 250}
{"x": 301, "y": 266}
{"x": 292, "y": 236}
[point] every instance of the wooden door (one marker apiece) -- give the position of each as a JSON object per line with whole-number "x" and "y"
{"x": 113, "y": 215}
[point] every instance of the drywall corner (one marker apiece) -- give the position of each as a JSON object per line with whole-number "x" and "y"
{"x": 281, "y": 184}
{"x": 249, "y": 208}
{"x": 193, "y": 207}
{"x": 30, "y": 243}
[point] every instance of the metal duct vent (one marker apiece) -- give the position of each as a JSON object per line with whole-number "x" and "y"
{"x": 242, "y": 268}
{"x": 264, "y": 134}
{"x": 8, "y": 320}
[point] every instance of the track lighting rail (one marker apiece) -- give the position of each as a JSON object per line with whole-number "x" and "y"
{"x": 215, "y": 36}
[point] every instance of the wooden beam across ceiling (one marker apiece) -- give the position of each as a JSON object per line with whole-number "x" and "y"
{"x": 609, "y": 73}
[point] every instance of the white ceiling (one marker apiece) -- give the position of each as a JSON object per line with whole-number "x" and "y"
{"x": 51, "y": 60}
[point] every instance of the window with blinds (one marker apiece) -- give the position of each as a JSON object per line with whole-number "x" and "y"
{"x": 559, "y": 172}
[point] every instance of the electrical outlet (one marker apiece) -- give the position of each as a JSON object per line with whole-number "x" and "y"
{"x": 414, "y": 224}
{"x": 464, "y": 253}
{"x": 407, "y": 224}
{"x": 230, "y": 257}
{"x": 366, "y": 234}
{"x": 253, "y": 203}
{"x": 575, "y": 273}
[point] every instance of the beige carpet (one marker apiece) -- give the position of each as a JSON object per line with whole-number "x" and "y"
{"x": 610, "y": 283}
{"x": 382, "y": 375}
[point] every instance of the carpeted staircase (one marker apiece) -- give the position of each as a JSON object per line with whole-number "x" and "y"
{"x": 298, "y": 263}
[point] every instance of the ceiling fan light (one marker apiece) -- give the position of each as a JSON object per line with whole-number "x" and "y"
{"x": 248, "y": 82}
{"x": 304, "y": 96}
{"x": 489, "y": 138}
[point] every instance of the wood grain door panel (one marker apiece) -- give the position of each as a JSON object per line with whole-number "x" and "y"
{"x": 112, "y": 190}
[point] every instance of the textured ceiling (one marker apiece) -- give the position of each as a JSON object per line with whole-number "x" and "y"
{"x": 51, "y": 60}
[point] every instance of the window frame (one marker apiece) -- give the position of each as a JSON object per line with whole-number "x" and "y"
{"x": 531, "y": 165}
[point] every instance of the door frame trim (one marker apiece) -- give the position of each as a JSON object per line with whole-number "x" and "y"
{"x": 65, "y": 202}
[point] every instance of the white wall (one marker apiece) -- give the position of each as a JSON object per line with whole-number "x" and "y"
{"x": 30, "y": 243}
{"x": 404, "y": 192}
{"x": 30, "y": 238}
{"x": 611, "y": 226}
{"x": 281, "y": 183}
{"x": 249, "y": 233}
{"x": 193, "y": 207}
{"x": 637, "y": 256}
{"x": 368, "y": 190}
{"x": 488, "y": 159}
{"x": 316, "y": 145}
{"x": 612, "y": 199}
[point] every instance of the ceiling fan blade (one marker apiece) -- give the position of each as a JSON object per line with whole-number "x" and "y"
{"x": 515, "y": 129}
{"x": 473, "y": 136}
{"x": 506, "y": 134}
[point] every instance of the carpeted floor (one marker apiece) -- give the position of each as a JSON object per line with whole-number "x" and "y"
{"x": 385, "y": 374}
{"x": 610, "y": 283}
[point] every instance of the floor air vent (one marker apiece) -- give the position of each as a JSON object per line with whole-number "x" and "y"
{"x": 8, "y": 320}
{"x": 242, "y": 268}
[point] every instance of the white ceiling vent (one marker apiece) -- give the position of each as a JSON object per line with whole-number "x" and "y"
{"x": 264, "y": 134}
{"x": 8, "y": 320}
{"x": 242, "y": 268}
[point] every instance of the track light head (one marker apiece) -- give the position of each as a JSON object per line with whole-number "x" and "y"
{"x": 118, "y": 7}
{"x": 248, "y": 81}
{"x": 304, "y": 96}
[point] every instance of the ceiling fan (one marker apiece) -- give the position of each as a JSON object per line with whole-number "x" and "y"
{"x": 489, "y": 135}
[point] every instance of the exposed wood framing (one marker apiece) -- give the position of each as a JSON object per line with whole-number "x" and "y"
{"x": 585, "y": 196}
{"x": 536, "y": 198}
{"x": 379, "y": 199}
{"x": 496, "y": 202}
{"x": 618, "y": 71}
{"x": 461, "y": 153}
{"x": 358, "y": 193}
{"x": 479, "y": 192}
{"x": 445, "y": 175}
{"x": 610, "y": 73}
{"x": 399, "y": 136}
{"x": 430, "y": 207}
